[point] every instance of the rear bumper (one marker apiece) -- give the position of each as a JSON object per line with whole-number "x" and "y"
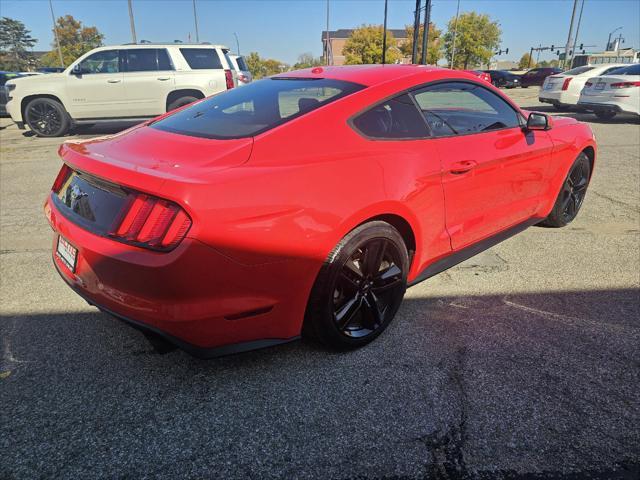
{"x": 197, "y": 298}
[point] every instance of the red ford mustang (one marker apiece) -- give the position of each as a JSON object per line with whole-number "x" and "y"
{"x": 306, "y": 202}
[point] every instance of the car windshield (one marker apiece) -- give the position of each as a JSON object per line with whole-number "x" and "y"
{"x": 255, "y": 108}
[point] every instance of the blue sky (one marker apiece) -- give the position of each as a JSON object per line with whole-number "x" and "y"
{"x": 283, "y": 29}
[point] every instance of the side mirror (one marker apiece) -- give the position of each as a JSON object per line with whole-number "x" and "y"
{"x": 539, "y": 121}
{"x": 77, "y": 69}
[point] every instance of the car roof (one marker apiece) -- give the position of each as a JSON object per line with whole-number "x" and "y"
{"x": 167, "y": 44}
{"x": 364, "y": 74}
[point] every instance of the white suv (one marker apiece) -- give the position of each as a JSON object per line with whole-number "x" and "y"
{"x": 125, "y": 82}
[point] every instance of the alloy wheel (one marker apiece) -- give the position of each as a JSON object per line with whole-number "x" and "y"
{"x": 44, "y": 118}
{"x": 574, "y": 190}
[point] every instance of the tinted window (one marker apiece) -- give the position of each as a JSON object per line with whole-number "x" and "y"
{"x": 458, "y": 108}
{"x": 142, "y": 60}
{"x": 630, "y": 70}
{"x": 255, "y": 108}
{"x": 396, "y": 118}
{"x": 611, "y": 70}
{"x": 164, "y": 63}
{"x": 107, "y": 61}
{"x": 201, "y": 58}
{"x": 578, "y": 70}
{"x": 242, "y": 65}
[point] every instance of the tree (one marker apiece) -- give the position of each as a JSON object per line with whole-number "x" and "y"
{"x": 264, "y": 67}
{"x": 364, "y": 46}
{"x": 476, "y": 39}
{"x": 75, "y": 40}
{"x": 15, "y": 40}
{"x": 526, "y": 62}
{"x": 307, "y": 60}
{"x": 434, "y": 48}
{"x": 548, "y": 63}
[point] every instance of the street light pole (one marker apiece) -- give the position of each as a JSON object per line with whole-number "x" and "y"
{"x": 568, "y": 45}
{"x": 609, "y": 39}
{"x": 195, "y": 19}
{"x": 575, "y": 40}
{"x": 384, "y": 35}
{"x": 55, "y": 33}
{"x": 455, "y": 34}
{"x": 416, "y": 31}
{"x": 237, "y": 42}
{"x": 327, "y": 46}
{"x": 425, "y": 32}
{"x": 132, "y": 23}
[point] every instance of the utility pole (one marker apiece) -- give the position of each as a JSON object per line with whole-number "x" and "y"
{"x": 575, "y": 40}
{"x": 55, "y": 33}
{"x": 195, "y": 19}
{"x": 328, "y": 44}
{"x": 133, "y": 25}
{"x": 568, "y": 45}
{"x": 455, "y": 34}
{"x": 384, "y": 35}
{"x": 237, "y": 43}
{"x": 416, "y": 31}
{"x": 425, "y": 31}
{"x": 530, "y": 55}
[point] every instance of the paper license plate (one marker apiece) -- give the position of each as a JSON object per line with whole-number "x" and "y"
{"x": 67, "y": 253}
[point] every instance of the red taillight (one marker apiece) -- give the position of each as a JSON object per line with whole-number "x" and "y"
{"x": 566, "y": 83}
{"x": 151, "y": 222}
{"x": 625, "y": 84}
{"x": 229, "y": 78}
{"x": 63, "y": 176}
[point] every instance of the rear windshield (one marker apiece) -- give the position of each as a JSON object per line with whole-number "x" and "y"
{"x": 255, "y": 108}
{"x": 201, "y": 58}
{"x": 630, "y": 70}
{"x": 242, "y": 65}
{"x": 578, "y": 70}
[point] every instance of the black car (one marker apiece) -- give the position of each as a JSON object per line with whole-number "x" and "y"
{"x": 536, "y": 76}
{"x": 502, "y": 78}
{"x": 4, "y": 78}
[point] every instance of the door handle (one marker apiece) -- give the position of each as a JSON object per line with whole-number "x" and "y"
{"x": 114, "y": 80}
{"x": 463, "y": 167}
{"x": 162, "y": 79}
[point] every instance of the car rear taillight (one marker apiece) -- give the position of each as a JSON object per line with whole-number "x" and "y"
{"x": 229, "y": 78}
{"x": 566, "y": 83}
{"x": 151, "y": 222}
{"x": 625, "y": 84}
{"x": 63, "y": 176}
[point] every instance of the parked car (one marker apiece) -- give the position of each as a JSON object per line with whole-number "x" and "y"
{"x": 240, "y": 66}
{"x": 536, "y": 76}
{"x": 617, "y": 92}
{"x": 214, "y": 226}
{"x": 4, "y": 78}
{"x": 503, "y": 79}
{"x": 563, "y": 90}
{"x": 480, "y": 74}
{"x": 127, "y": 82}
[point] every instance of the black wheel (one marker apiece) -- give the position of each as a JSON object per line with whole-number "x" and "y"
{"x": 359, "y": 288}
{"x": 47, "y": 117}
{"x": 605, "y": 114}
{"x": 571, "y": 195}
{"x": 560, "y": 107}
{"x": 180, "y": 102}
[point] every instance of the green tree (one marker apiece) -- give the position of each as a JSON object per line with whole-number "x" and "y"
{"x": 476, "y": 39}
{"x": 264, "y": 67}
{"x": 75, "y": 40}
{"x": 15, "y": 42}
{"x": 364, "y": 46}
{"x": 434, "y": 48}
{"x": 526, "y": 62}
{"x": 307, "y": 60}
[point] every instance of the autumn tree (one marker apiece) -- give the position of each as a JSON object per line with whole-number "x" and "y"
{"x": 526, "y": 62}
{"x": 15, "y": 42}
{"x": 264, "y": 67}
{"x": 307, "y": 60}
{"x": 434, "y": 48}
{"x": 75, "y": 40}
{"x": 476, "y": 40}
{"x": 364, "y": 46}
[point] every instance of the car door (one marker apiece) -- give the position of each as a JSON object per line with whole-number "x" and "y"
{"x": 492, "y": 170}
{"x": 95, "y": 87}
{"x": 149, "y": 78}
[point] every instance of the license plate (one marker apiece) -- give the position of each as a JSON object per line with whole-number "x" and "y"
{"x": 67, "y": 253}
{"x": 600, "y": 85}
{"x": 549, "y": 86}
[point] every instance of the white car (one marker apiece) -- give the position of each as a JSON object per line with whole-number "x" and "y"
{"x": 240, "y": 65}
{"x": 132, "y": 82}
{"x": 563, "y": 90}
{"x": 612, "y": 94}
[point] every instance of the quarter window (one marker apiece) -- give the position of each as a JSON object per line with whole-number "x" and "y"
{"x": 458, "y": 108}
{"x": 397, "y": 118}
{"x": 201, "y": 58}
{"x": 106, "y": 61}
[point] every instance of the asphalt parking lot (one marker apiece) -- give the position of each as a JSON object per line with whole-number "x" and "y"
{"x": 522, "y": 363}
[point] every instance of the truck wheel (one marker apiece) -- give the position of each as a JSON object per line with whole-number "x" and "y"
{"x": 47, "y": 117}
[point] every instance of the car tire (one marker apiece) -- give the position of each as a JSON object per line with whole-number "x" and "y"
{"x": 605, "y": 114}
{"x": 560, "y": 107}
{"x": 181, "y": 102}
{"x": 47, "y": 117}
{"x": 572, "y": 193}
{"x": 359, "y": 288}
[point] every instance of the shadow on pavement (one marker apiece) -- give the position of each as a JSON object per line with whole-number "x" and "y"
{"x": 583, "y": 116}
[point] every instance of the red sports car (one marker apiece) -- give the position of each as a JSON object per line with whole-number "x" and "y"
{"x": 305, "y": 203}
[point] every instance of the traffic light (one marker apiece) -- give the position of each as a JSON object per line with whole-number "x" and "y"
{"x": 552, "y": 47}
{"x": 506, "y": 51}
{"x": 581, "y": 46}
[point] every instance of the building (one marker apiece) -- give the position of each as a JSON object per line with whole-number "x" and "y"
{"x": 337, "y": 39}
{"x": 623, "y": 55}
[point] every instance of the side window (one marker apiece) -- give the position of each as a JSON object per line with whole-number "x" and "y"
{"x": 201, "y": 58}
{"x": 106, "y": 61}
{"x": 142, "y": 60}
{"x": 397, "y": 118}
{"x": 164, "y": 63}
{"x": 458, "y": 108}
